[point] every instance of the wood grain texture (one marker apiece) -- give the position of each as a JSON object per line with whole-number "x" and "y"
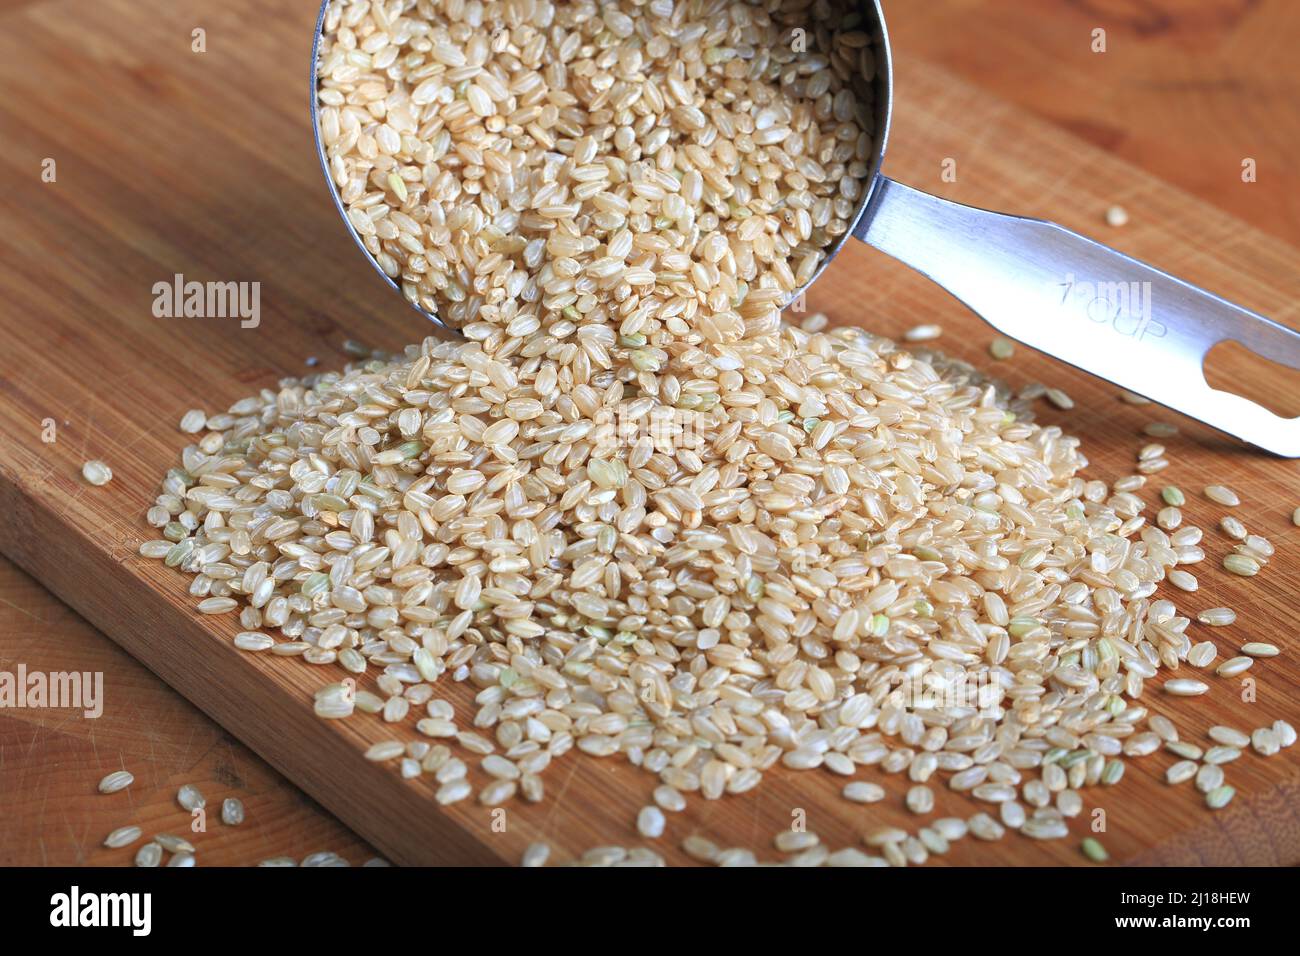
{"x": 177, "y": 162}
{"x": 1186, "y": 88}
{"x": 52, "y": 759}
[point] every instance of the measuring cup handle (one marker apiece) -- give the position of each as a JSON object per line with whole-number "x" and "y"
{"x": 1085, "y": 304}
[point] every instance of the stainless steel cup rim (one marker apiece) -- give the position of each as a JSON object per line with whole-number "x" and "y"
{"x": 314, "y": 101}
{"x": 1010, "y": 271}
{"x": 882, "y": 105}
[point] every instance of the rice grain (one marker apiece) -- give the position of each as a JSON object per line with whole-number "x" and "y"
{"x": 232, "y": 812}
{"x": 122, "y": 836}
{"x": 1220, "y": 797}
{"x": 1222, "y": 495}
{"x": 190, "y": 798}
{"x": 115, "y": 781}
{"x": 96, "y": 472}
{"x": 1185, "y": 687}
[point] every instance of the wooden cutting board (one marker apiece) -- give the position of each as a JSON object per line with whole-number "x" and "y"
{"x": 51, "y": 759}
{"x": 170, "y": 161}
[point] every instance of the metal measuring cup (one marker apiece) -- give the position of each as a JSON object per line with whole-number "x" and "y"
{"x": 1015, "y": 273}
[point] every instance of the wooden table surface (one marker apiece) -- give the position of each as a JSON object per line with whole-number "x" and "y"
{"x": 1186, "y": 89}
{"x": 1183, "y": 97}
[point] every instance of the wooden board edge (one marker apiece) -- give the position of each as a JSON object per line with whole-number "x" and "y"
{"x": 284, "y": 733}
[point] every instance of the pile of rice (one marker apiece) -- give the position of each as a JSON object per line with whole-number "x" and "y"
{"x": 633, "y": 509}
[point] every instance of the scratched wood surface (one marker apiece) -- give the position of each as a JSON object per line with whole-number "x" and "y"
{"x": 170, "y": 161}
{"x": 51, "y": 759}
